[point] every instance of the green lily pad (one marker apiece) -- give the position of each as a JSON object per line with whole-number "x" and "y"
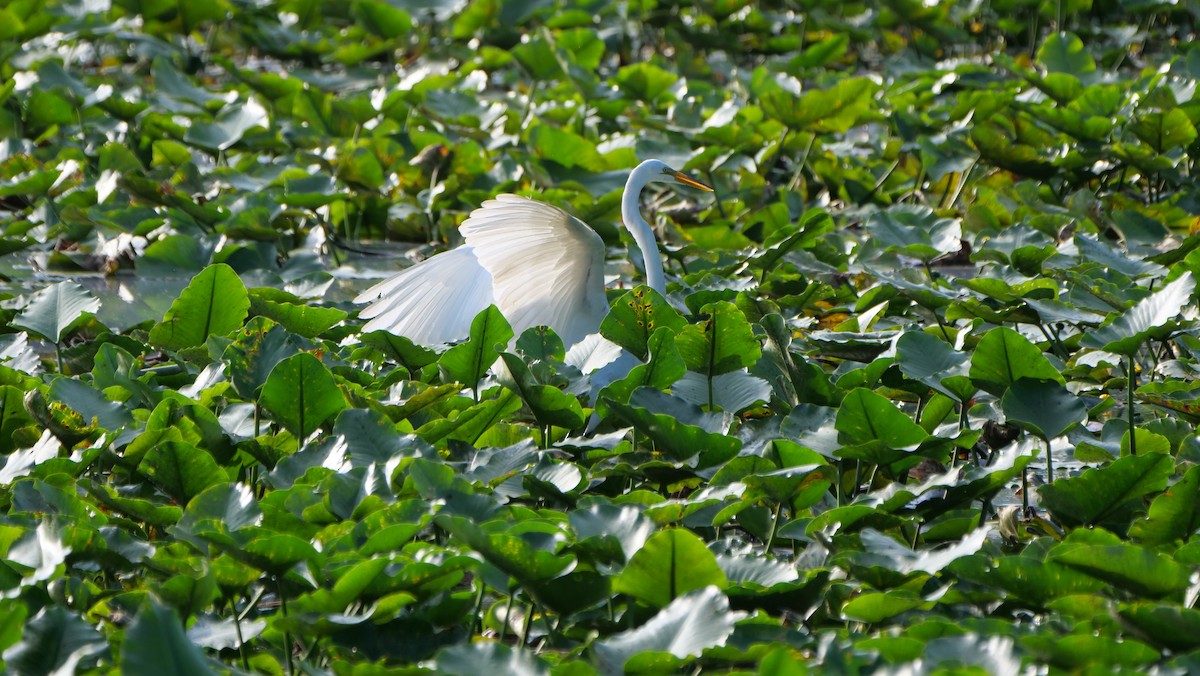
{"x": 672, "y": 563}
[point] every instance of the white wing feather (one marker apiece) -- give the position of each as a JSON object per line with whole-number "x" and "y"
{"x": 547, "y": 267}
{"x": 432, "y": 302}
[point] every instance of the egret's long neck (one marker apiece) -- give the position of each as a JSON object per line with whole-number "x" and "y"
{"x": 640, "y": 229}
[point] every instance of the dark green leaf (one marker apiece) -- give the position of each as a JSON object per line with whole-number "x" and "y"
{"x": 302, "y": 394}
{"x": 672, "y": 563}
{"x": 1107, "y": 495}
{"x": 470, "y": 361}
{"x": 1003, "y": 356}
{"x": 635, "y": 317}
{"x": 214, "y": 303}
{"x": 1044, "y": 407}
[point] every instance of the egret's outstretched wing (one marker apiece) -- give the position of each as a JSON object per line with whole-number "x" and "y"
{"x": 547, "y": 266}
{"x": 432, "y": 302}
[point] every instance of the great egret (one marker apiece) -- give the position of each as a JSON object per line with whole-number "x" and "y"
{"x": 538, "y": 264}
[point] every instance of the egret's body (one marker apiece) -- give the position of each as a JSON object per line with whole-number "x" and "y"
{"x": 538, "y": 264}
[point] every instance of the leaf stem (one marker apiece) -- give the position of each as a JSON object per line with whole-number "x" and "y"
{"x": 1024, "y": 489}
{"x": 1131, "y": 381}
{"x": 507, "y": 611}
{"x": 525, "y": 626}
{"x": 1049, "y": 464}
{"x": 477, "y": 622}
{"x": 774, "y": 527}
{"x": 237, "y": 626}
{"x": 287, "y": 636}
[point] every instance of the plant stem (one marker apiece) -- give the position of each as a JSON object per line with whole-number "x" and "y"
{"x": 237, "y": 626}
{"x": 1049, "y": 464}
{"x": 774, "y": 527}
{"x": 477, "y": 623}
{"x": 1024, "y": 489}
{"x": 525, "y": 626}
{"x": 1129, "y": 406}
{"x": 287, "y": 636}
{"x": 507, "y": 611}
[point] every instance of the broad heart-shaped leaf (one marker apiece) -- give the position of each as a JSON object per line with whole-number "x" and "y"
{"x": 1137, "y": 569}
{"x": 181, "y": 470}
{"x": 673, "y": 562}
{"x": 662, "y": 370}
{"x": 301, "y": 394}
{"x": 550, "y": 405}
{"x": 930, "y": 360}
{"x": 635, "y": 316}
{"x": 542, "y": 343}
{"x": 89, "y": 403}
{"x": 721, "y": 342}
{"x": 834, "y": 109}
{"x": 13, "y": 416}
{"x": 875, "y": 607}
{"x": 881, "y": 548}
{"x": 1065, "y": 53}
{"x": 488, "y": 658}
{"x": 1107, "y": 496}
{"x": 510, "y": 552}
{"x": 866, "y": 416}
{"x": 1026, "y": 577}
{"x": 214, "y": 303}
{"x": 1164, "y": 131}
{"x": 221, "y": 508}
{"x": 1003, "y": 356}
{"x": 1166, "y": 624}
{"x": 661, "y": 418}
{"x": 399, "y": 349}
{"x": 914, "y": 231}
{"x": 52, "y": 311}
{"x": 1133, "y": 327}
{"x": 644, "y": 80}
{"x": 470, "y": 424}
{"x": 382, "y": 18}
{"x": 687, "y": 627}
{"x": 255, "y": 351}
{"x": 623, "y": 527}
{"x": 270, "y": 551}
{"x": 229, "y": 126}
{"x": 731, "y": 391}
{"x": 55, "y": 641}
{"x": 566, "y": 148}
{"x": 293, "y": 313}
{"x": 1094, "y": 251}
{"x": 468, "y": 362}
{"x": 156, "y": 644}
{"x": 1044, "y": 407}
{"x": 1174, "y": 516}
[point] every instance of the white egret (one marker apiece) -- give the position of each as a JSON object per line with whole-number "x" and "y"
{"x": 538, "y": 264}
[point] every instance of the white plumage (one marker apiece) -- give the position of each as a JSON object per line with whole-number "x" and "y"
{"x": 538, "y": 264}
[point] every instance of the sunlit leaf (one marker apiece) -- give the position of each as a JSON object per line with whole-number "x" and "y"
{"x": 215, "y": 302}
{"x": 672, "y": 563}
{"x": 686, "y": 627}
{"x": 1003, "y": 356}
{"x": 54, "y": 310}
{"x": 1133, "y": 327}
{"x": 635, "y": 317}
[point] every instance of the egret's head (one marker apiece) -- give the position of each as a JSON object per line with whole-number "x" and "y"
{"x": 661, "y": 173}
